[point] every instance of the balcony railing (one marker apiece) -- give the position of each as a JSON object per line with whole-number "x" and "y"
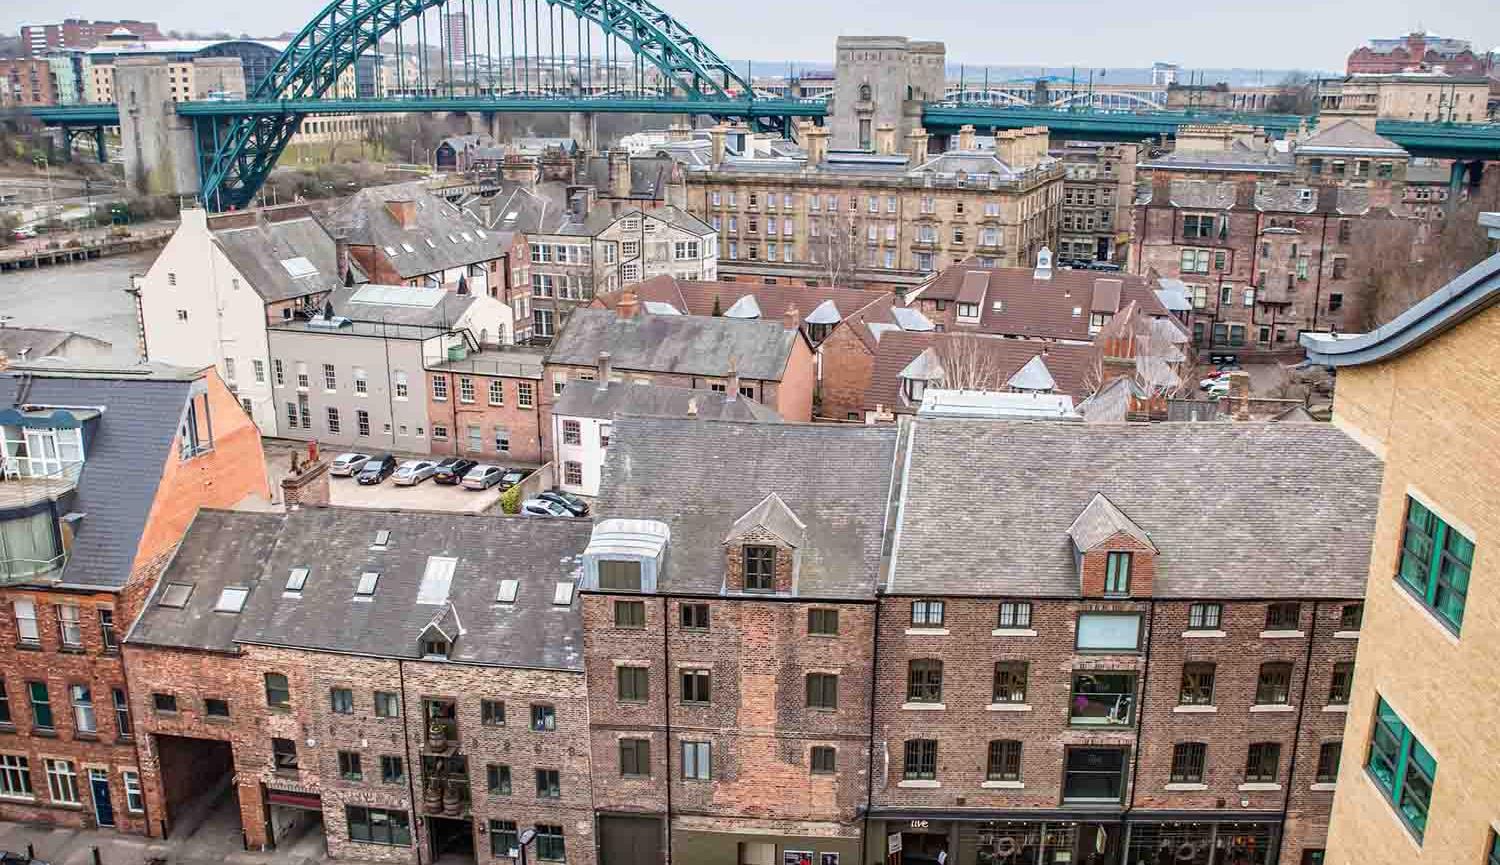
{"x": 28, "y": 480}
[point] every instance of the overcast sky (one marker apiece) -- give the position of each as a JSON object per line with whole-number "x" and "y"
{"x": 1276, "y": 34}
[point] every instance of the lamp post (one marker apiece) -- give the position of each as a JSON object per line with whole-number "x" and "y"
{"x": 527, "y": 836}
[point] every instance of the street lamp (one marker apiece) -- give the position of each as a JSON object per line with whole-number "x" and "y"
{"x": 527, "y": 836}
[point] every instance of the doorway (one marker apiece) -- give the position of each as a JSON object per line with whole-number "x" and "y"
{"x": 104, "y": 810}
{"x": 634, "y": 841}
{"x": 194, "y": 774}
{"x": 1098, "y": 844}
{"x": 452, "y": 840}
{"x": 924, "y": 848}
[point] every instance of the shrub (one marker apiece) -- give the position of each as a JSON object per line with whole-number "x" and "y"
{"x": 510, "y": 500}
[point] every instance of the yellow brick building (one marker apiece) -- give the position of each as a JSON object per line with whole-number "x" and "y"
{"x": 1420, "y": 776}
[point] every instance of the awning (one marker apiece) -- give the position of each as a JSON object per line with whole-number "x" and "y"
{"x": 306, "y": 801}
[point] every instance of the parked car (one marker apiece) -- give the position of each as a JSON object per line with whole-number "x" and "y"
{"x": 413, "y": 472}
{"x": 348, "y": 465}
{"x": 543, "y": 508}
{"x": 1218, "y": 388}
{"x": 482, "y": 477}
{"x": 512, "y": 477}
{"x": 452, "y": 470}
{"x": 376, "y": 470}
{"x": 575, "y": 505}
{"x": 24, "y": 233}
{"x": 1208, "y": 381}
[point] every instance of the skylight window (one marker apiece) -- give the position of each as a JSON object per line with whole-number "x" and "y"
{"x": 436, "y": 579}
{"x": 562, "y": 596}
{"x": 507, "y": 592}
{"x": 382, "y": 540}
{"x": 1077, "y": 311}
{"x": 430, "y": 244}
{"x": 452, "y": 239}
{"x": 232, "y": 599}
{"x": 298, "y": 267}
{"x": 390, "y": 250}
{"x": 408, "y": 247}
{"x": 480, "y": 232}
{"x": 367, "y": 582}
{"x": 469, "y": 238}
{"x": 296, "y": 579}
{"x": 175, "y": 595}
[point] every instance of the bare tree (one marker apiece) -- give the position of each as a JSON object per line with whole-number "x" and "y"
{"x": 835, "y": 246}
{"x": 969, "y": 362}
{"x": 1296, "y": 94}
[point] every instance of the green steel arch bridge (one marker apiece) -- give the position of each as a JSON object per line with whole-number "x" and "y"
{"x": 593, "y": 56}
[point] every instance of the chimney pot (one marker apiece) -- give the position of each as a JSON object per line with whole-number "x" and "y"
{"x": 966, "y": 137}
{"x": 604, "y": 367}
{"x": 718, "y": 136}
{"x": 628, "y": 305}
{"x": 792, "y": 319}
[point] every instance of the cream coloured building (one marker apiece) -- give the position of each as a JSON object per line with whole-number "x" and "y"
{"x": 1415, "y": 96}
{"x": 1419, "y": 781}
{"x": 882, "y": 214}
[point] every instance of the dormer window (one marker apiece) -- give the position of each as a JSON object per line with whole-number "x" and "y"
{"x": 968, "y": 311}
{"x": 1117, "y": 574}
{"x": 760, "y": 568}
{"x": 434, "y": 647}
{"x": 915, "y": 389}
{"x": 619, "y": 575}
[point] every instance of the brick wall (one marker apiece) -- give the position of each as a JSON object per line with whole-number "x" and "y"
{"x": 1095, "y": 566}
{"x": 847, "y": 365}
{"x": 523, "y": 424}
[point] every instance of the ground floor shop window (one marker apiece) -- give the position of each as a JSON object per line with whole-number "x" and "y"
{"x": 378, "y": 826}
{"x": 1201, "y": 843}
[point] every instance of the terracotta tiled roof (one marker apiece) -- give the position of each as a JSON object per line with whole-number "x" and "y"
{"x": 1040, "y": 307}
{"x": 697, "y": 298}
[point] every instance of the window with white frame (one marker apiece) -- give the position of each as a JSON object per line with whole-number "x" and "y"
{"x": 135, "y": 803}
{"x": 84, "y": 720}
{"x": 62, "y": 781}
{"x": 684, "y": 250}
{"x": 15, "y": 776}
{"x": 68, "y": 626}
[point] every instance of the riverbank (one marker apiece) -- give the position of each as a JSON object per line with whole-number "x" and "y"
{"x": 42, "y": 254}
{"x": 89, "y": 297}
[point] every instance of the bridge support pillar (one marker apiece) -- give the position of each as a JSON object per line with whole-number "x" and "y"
{"x": 1458, "y": 174}
{"x": 160, "y": 155}
{"x": 583, "y": 128}
{"x": 100, "y": 149}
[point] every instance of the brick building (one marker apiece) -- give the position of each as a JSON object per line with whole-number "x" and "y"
{"x": 1417, "y": 52}
{"x": 27, "y": 81}
{"x": 729, "y": 637}
{"x": 771, "y": 361}
{"x": 1098, "y": 188}
{"x": 404, "y": 685}
{"x": 1419, "y": 784}
{"x": 102, "y": 472}
{"x": 81, "y": 33}
{"x": 1270, "y": 240}
{"x": 1134, "y": 664}
{"x": 486, "y": 405}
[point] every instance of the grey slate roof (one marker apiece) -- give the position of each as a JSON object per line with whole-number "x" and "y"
{"x": 1242, "y": 510}
{"x": 335, "y": 544}
{"x": 1101, "y": 520}
{"x": 366, "y": 220}
{"x": 683, "y": 344}
{"x": 220, "y": 548}
{"x": 1348, "y": 136}
{"x": 37, "y": 342}
{"x": 125, "y": 451}
{"x": 700, "y": 477}
{"x": 621, "y": 399}
{"x": 258, "y": 250}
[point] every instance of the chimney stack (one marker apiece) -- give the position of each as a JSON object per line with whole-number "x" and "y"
{"x": 341, "y": 256}
{"x": 1239, "y": 394}
{"x": 619, "y": 174}
{"x": 604, "y": 370}
{"x": 519, "y": 169}
{"x": 718, "y": 136}
{"x": 792, "y": 319}
{"x": 679, "y": 132}
{"x": 966, "y": 137}
{"x": 734, "y": 382}
{"x": 1043, "y": 264}
{"x": 628, "y": 305}
{"x": 404, "y": 212}
{"x": 916, "y": 147}
{"x": 817, "y": 145}
{"x": 885, "y": 139}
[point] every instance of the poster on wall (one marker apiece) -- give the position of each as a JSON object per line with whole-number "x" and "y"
{"x": 828, "y": 859}
{"x": 796, "y": 857}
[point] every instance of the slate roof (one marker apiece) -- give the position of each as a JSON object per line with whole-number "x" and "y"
{"x": 36, "y": 342}
{"x": 126, "y": 451}
{"x": 1233, "y": 515}
{"x": 683, "y": 344}
{"x": 701, "y": 477}
{"x": 335, "y": 544}
{"x": 1101, "y": 520}
{"x": 1038, "y": 307}
{"x": 367, "y": 221}
{"x": 622, "y": 399}
{"x": 221, "y": 548}
{"x": 1348, "y": 137}
{"x": 257, "y": 252}
{"x": 1067, "y": 363}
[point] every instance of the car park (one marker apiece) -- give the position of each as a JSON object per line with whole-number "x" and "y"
{"x": 376, "y": 470}
{"x": 452, "y": 470}
{"x": 1218, "y": 388}
{"x": 512, "y": 477}
{"x": 543, "y": 508}
{"x": 413, "y": 472}
{"x": 574, "y": 505}
{"x": 482, "y": 477}
{"x": 348, "y": 465}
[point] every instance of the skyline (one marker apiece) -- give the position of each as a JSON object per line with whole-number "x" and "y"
{"x": 1019, "y": 33}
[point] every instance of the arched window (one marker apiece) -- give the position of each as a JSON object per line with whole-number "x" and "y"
{"x": 864, "y": 93}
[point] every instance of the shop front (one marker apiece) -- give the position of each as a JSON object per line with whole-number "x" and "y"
{"x": 1199, "y": 842}
{"x": 1062, "y": 838}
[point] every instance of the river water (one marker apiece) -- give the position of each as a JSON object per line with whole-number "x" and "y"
{"x": 88, "y": 297}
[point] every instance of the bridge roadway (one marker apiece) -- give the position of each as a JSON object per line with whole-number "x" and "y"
{"x": 1443, "y": 140}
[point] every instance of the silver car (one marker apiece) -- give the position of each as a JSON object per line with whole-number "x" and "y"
{"x": 348, "y": 465}
{"x": 482, "y": 477}
{"x": 543, "y": 508}
{"x": 413, "y": 472}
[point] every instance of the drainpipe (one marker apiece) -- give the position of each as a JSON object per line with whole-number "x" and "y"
{"x": 411, "y": 788}
{"x": 1291, "y": 777}
{"x": 666, "y": 698}
{"x": 1140, "y": 717}
{"x": 1322, "y": 256}
{"x": 864, "y": 827}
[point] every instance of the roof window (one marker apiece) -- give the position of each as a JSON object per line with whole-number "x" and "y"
{"x": 408, "y": 247}
{"x": 452, "y": 239}
{"x": 175, "y": 595}
{"x": 296, "y": 579}
{"x": 562, "y": 596}
{"x": 232, "y": 599}
{"x": 436, "y": 580}
{"x": 382, "y": 540}
{"x": 367, "y": 581}
{"x": 467, "y": 237}
{"x": 390, "y": 250}
{"x": 507, "y": 592}
{"x": 430, "y": 244}
{"x": 480, "y": 232}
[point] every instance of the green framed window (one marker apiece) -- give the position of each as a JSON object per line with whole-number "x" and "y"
{"x": 1401, "y": 767}
{"x": 1117, "y": 574}
{"x": 1435, "y": 562}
